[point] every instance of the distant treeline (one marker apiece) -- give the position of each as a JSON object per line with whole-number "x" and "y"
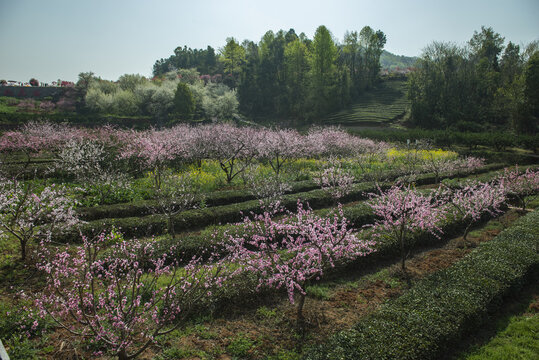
{"x": 478, "y": 86}
{"x": 289, "y": 75}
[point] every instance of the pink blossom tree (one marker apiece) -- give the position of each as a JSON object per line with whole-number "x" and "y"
{"x": 474, "y": 200}
{"x": 121, "y": 296}
{"x": 26, "y": 213}
{"x": 335, "y": 179}
{"x": 279, "y": 147}
{"x": 404, "y": 212}
{"x": 268, "y": 189}
{"x": 523, "y": 186}
{"x": 295, "y": 249}
{"x": 154, "y": 149}
{"x": 234, "y": 148}
{"x": 465, "y": 165}
{"x": 176, "y": 194}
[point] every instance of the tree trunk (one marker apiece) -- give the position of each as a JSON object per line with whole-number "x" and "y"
{"x": 466, "y": 231}
{"x": 23, "y": 250}
{"x": 171, "y": 227}
{"x": 403, "y": 252}
{"x": 122, "y": 355}
{"x": 300, "y": 318}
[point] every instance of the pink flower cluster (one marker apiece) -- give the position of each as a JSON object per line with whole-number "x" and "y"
{"x": 335, "y": 179}
{"x": 28, "y": 214}
{"x": 523, "y": 186}
{"x": 123, "y": 297}
{"x": 296, "y": 248}
{"x": 406, "y": 210}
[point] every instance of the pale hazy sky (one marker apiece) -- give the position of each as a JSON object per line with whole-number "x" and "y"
{"x": 51, "y": 39}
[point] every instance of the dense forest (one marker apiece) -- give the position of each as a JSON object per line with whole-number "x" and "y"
{"x": 286, "y": 74}
{"x": 481, "y": 85}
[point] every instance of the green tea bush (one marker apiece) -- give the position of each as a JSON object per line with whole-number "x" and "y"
{"x": 441, "y": 309}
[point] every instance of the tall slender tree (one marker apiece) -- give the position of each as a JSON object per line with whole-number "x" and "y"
{"x": 322, "y": 61}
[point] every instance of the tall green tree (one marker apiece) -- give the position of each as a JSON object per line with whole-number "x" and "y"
{"x": 323, "y": 70}
{"x": 184, "y": 101}
{"x": 249, "y": 92}
{"x": 297, "y": 68}
{"x": 351, "y": 58}
{"x": 233, "y": 57}
{"x": 441, "y": 88}
{"x": 271, "y": 76}
{"x": 531, "y": 95}
{"x": 486, "y": 47}
{"x": 509, "y": 98}
{"x": 372, "y": 43}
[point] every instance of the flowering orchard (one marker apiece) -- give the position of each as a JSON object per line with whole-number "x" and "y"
{"x": 219, "y": 212}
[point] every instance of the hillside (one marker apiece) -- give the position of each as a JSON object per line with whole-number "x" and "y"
{"x": 378, "y": 107}
{"x": 391, "y": 61}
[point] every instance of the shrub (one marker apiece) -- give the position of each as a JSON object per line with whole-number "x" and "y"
{"x": 47, "y": 106}
{"x": 26, "y": 105}
{"x": 125, "y": 103}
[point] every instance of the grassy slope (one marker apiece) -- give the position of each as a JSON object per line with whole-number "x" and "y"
{"x": 377, "y": 107}
{"x": 517, "y": 341}
{"x": 512, "y": 334}
{"x": 5, "y": 107}
{"x": 391, "y": 61}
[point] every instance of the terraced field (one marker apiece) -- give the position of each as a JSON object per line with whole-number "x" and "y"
{"x": 378, "y": 107}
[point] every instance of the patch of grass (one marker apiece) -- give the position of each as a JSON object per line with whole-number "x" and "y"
{"x": 286, "y": 355}
{"x": 8, "y": 105}
{"x": 21, "y": 348}
{"x": 517, "y": 341}
{"x": 322, "y": 292}
{"x": 240, "y": 346}
{"x": 204, "y": 332}
{"x": 175, "y": 353}
{"x": 266, "y": 313}
{"x": 386, "y": 276}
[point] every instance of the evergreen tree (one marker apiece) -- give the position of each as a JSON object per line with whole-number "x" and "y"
{"x": 184, "y": 102}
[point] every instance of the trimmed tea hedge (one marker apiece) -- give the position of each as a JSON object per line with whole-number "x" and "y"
{"x": 199, "y": 218}
{"x": 447, "y": 138}
{"x": 145, "y": 207}
{"x": 227, "y": 197}
{"x": 441, "y": 309}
